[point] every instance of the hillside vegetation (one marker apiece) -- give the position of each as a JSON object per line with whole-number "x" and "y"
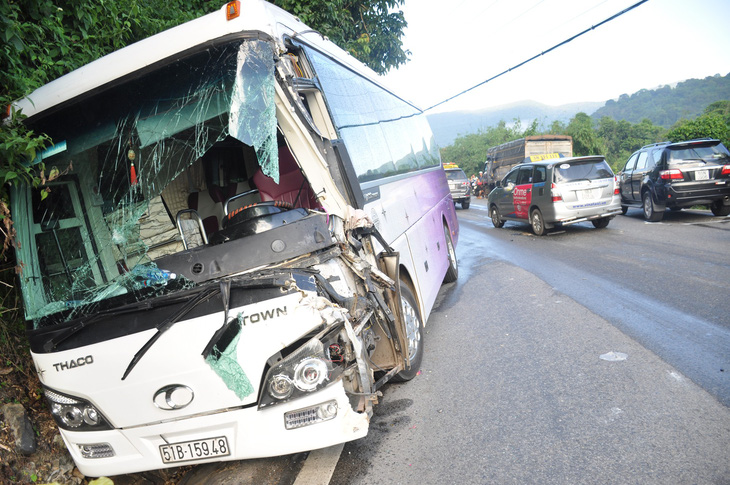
{"x": 667, "y": 105}
{"x": 694, "y": 109}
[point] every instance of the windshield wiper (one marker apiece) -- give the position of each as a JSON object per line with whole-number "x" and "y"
{"x": 202, "y": 297}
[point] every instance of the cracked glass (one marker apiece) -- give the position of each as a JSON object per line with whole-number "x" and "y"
{"x": 131, "y": 158}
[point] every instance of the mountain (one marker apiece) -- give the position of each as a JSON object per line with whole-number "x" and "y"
{"x": 448, "y": 126}
{"x": 666, "y": 105}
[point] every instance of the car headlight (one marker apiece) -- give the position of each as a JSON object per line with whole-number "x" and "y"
{"x": 73, "y": 413}
{"x": 313, "y": 366}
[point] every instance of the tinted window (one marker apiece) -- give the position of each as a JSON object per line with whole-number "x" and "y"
{"x": 715, "y": 152}
{"x": 524, "y": 176}
{"x": 588, "y": 170}
{"x": 631, "y": 163}
{"x": 643, "y": 158}
{"x": 540, "y": 175}
{"x": 384, "y": 135}
{"x": 510, "y": 178}
{"x": 656, "y": 157}
{"x": 455, "y": 175}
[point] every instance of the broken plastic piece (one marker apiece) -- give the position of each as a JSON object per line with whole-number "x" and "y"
{"x": 225, "y": 364}
{"x": 613, "y": 356}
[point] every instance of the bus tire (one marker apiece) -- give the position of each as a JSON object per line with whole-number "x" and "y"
{"x": 452, "y": 273}
{"x": 415, "y": 333}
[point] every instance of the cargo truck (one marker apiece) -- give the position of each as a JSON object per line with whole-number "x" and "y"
{"x": 501, "y": 158}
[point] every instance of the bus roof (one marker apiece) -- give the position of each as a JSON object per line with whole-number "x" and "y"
{"x": 255, "y": 16}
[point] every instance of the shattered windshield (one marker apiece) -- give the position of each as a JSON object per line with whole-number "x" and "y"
{"x": 134, "y": 160}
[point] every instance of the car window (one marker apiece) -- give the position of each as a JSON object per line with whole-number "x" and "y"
{"x": 455, "y": 175}
{"x": 524, "y": 176}
{"x": 643, "y": 159}
{"x": 656, "y": 157}
{"x": 716, "y": 153}
{"x": 582, "y": 170}
{"x": 510, "y": 177}
{"x": 540, "y": 175}
{"x": 631, "y": 163}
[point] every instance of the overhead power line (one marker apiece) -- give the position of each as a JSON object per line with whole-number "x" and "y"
{"x": 593, "y": 27}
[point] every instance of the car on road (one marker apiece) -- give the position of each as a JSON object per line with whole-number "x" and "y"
{"x": 557, "y": 192}
{"x": 675, "y": 176}
{"x": 458, "y": 185}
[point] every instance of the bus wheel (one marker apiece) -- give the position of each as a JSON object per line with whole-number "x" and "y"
{"x": 452, "y": 274}
{"x": 414, "y": 331}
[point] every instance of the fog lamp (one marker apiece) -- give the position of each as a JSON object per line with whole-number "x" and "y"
{"x": 96, "y": 450}
{"x": 311, "y": 415}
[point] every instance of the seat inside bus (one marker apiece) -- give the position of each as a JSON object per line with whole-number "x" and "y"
{"x": 229, "y": 171}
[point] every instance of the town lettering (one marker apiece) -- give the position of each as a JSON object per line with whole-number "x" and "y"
{"x": 72, "y": 364}
{"x": 265, "y": 315}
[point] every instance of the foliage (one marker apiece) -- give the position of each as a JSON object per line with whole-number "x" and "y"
{"x": 665, "y": 106}
{"x": 585, "y": 139}
{"x": 370, "y": 30}
{"x": 708, "y": 125}
{"x": 616, "y": 140}
{"x": 470, "y": 151}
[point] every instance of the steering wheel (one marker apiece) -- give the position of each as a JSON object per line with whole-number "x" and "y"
{"x": 257, "y": 209}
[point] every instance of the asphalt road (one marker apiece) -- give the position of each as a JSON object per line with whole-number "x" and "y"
{"x": 513, "y": 388}
{"x": 665, "y": 284}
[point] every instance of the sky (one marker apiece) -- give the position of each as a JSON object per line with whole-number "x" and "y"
{"x": 456, "y": 44}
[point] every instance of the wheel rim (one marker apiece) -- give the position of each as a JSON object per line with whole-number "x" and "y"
{"x": 413, "y": 328}
{"x": 536, "y": 222}
{"x": 495, "y": 217}
{"x": 647, "y": 206}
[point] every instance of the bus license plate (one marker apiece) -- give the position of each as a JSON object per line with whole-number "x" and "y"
{"x": 702, "y": 175}
{"x": 195, "y": 450}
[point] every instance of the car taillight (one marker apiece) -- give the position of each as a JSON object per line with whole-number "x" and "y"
{"x": 616, "y": 190}
{"x": 555, "y": 193}
{"x": 673, "y": 174}
{"x": 725, "y": 170}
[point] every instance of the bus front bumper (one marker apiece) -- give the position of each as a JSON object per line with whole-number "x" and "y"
{"x": 225, "y": 436}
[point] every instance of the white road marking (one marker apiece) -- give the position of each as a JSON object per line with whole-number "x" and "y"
{"x": 320, "y": 466}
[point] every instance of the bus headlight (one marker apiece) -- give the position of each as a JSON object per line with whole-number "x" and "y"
{"x": 73, "y": 413}
{"x": 310, "y": 373}
{"x": 311, "y": 367}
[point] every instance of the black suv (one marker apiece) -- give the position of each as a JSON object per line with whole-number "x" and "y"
{"x": 677, "y": 175}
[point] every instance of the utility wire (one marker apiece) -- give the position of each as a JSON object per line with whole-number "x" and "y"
{"x": 613, "y": 17}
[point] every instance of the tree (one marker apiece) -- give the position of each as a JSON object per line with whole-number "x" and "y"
{"x": 585, "y": 139}
{"x": 705, "y": 126}
{"x": 370, "y": 30}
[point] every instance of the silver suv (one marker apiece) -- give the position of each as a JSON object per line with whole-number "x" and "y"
{"x": 459, "y": 186}
{"x": 557, "y": 192}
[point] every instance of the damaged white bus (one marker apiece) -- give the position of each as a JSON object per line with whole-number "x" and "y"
{"x": 246, "y": 238}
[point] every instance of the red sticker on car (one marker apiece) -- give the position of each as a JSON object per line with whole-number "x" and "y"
{"x": 522, "y": 198}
